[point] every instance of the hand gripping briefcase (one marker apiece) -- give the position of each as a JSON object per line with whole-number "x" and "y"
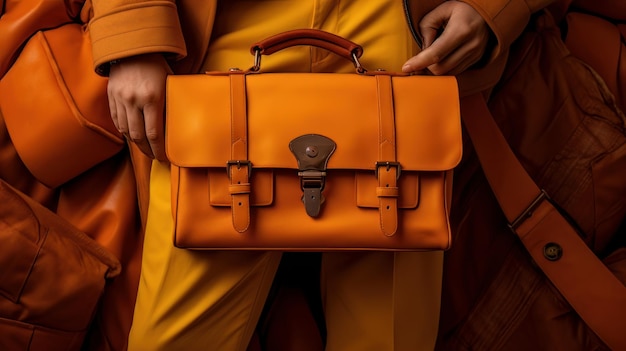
{"x": 312, "y": 161}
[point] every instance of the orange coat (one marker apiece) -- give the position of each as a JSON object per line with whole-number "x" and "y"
{"x": 100, "y": 202}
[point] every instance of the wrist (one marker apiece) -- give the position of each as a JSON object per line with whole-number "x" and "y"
{"x": 105, "y": 69}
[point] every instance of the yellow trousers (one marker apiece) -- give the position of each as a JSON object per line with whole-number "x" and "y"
{"x": 206, "y": 300}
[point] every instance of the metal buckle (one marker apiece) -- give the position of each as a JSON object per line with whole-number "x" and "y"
{"x": 528, "y": 212}
{"x": 257, "y": 60}
{"x": 388, "y": 165}
{"x": 238, "y": 163}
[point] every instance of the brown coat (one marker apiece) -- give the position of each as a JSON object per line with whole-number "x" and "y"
{"x": 561, "y": 120}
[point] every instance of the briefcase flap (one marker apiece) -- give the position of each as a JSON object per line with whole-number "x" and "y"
{"x": 342, "y": 107}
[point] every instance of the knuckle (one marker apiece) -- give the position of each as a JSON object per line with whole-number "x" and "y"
{"x": 136, "y": 137}
{"x": 475, "y": 43}
{"x": 436, "y": 70}
{"x": 152, "y": 136}
{"x": 127, "y": 95}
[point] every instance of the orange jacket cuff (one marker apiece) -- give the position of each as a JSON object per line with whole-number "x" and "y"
{"x": 119, "y": 34}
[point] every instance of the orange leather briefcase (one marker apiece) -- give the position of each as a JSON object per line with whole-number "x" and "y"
{"x": 312, "y": 161}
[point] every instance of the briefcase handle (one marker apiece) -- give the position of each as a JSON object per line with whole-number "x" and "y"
{"x": 313, "y": 37}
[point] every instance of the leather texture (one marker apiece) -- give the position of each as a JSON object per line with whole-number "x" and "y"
{"x": 549, "y": 238}
{"x": 100, "y": 202}
{"x": 52, "y": 279}
{"x": 565, "y": 127}
{"x": 55, "y": 106}
{"x": 607, "y": 9}
{"x": 22, "y": 19}
{"x": 236, "y": 183}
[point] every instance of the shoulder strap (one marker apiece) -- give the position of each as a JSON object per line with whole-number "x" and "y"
{"x": 585, "y": 282}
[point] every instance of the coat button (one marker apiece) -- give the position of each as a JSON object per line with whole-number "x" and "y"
{"x": 552, "y": 251}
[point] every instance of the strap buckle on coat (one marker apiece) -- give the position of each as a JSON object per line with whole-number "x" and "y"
{"x": 528, "y": 212}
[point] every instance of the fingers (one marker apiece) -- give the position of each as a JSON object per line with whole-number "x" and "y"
{"x": 113, "y": 109}
{"x": 455, "y": 64}
{"x": 455, "y": 37}
{"x": 433, "y": 56}
{"x": 456, "y": 60}
{"x": 129, "y": 122}
{"x": 136, "y": 130}
{"x": 431, "y": 26}
{"x": 136, "y": 91}
{"x": 155, "y": 130}
{"x": 144, "y": 128}
{"x": 118, "y": 113}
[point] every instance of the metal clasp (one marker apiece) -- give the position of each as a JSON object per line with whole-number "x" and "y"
{"x": 357, "y": 64}
{"x": 312, "y": 151}
{"x": 312, "y": 184}
{"x": 257, "y": 60}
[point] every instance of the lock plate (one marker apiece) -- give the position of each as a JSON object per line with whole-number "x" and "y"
{"x": 312, "y": 151}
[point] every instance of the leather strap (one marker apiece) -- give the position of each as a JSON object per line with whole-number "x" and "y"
{"x": 585, "y": 282}
{"x": 387, "y": 168}
{"x": 239, "y": 167}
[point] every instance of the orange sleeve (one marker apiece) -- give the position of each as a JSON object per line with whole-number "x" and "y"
{"x": 124, "y": 28}
{"x": 507, "y": 18}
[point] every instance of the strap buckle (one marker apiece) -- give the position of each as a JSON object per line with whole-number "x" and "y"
{"x": 238, "y": 163}
{"x": 528, "y": 212}
{"x": 388, "y": 165}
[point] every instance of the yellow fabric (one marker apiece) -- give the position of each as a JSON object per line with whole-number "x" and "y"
{"x": 194, "y": 300}
{"x": 377, "y": 301}
{"x": 381, "y": 300}
{"x": 380, "y": 27}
